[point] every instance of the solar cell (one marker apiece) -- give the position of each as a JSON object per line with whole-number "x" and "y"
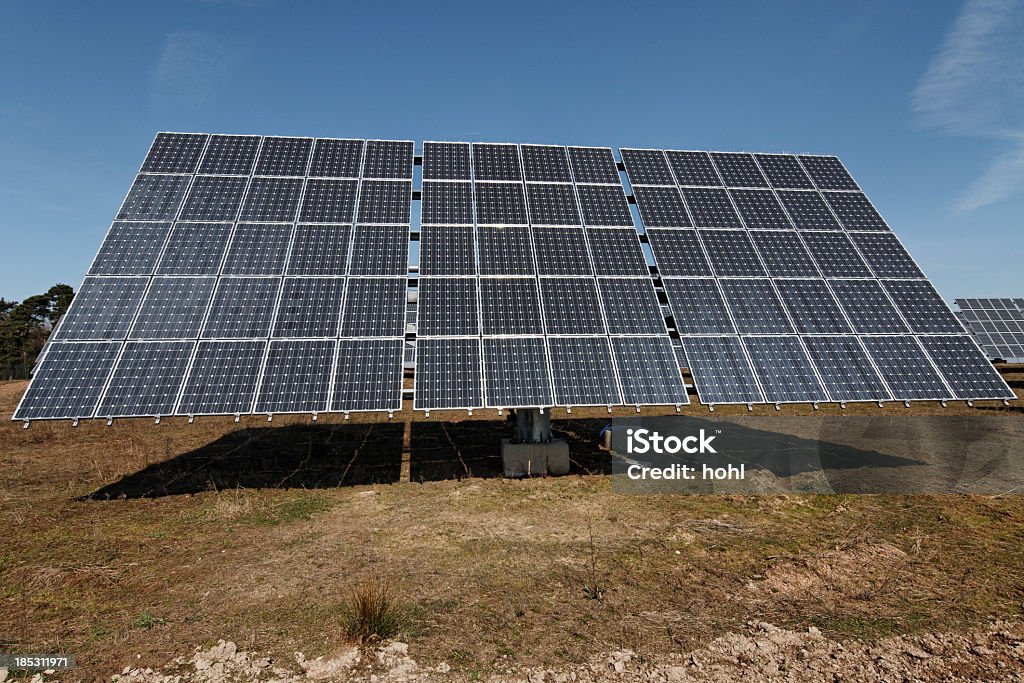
{"x": 646, "y": 167}
{"x": 886, "y": 255}
{"x": 309, "y": 307}
{"x": 222, "y": 378}
{"x": 721, "y": 371}
{"x": 732, "y": 253}
{"x": 845, "y": 369}
{"x": 510, "y": 306}
{"x": 783, "y": 171}
{"x": 808, "y": 210}
{"x": 921, "y": 306}
{"x": 296, "y": 377}
{"x": 812, "y": 307}
{"x": 906, "y": 369}
{"x": 828, "y": 173}
{"x": 760, "y": 209}
{"x": 103, "y": 308}
{"x": 500, "y": 204}
{"x": 545, "y": 163}
{"x": 571, "y": 306}
{"x": 496, "y": 162}
{"x": 385, "y": 201}
{"x": 678, "y": 252}
{"x": 583, "y": 371}
{"x": 552, "y": 204}
{"x": 631, "y": 306}
{"x": 854, "y": 210}
{"x": 388, "y": 159}
{"x": 516, "y": 372}
{"x": 447, "y": 307}
{"x": 284, "y": 156}
{"x": 616, "y": 251}
{"x": 710, "y": 208}
{"x": 195, "y": 249}
{"x": 214, "y": 198}
{"x": 447, "y": 250}
{"x": 242, "y": 307}
{"x": 448, "y": 374}
{"x": 783, "y": 254}
{"x": 648, "y": 371}
{"x": 447, "y": 203}
{"x": 835, "y": 255}
{"x": 130, "y": 248}
{"x": 374, "y": 307}
{"x": 230, "y": 154}
{"x": 784, "y": 370}
{"x": 174, "y": 308}
{"x": 446, "y": 161}
{"x": 68, "y": 381}
{"x": 561, "y": 251}
{"x": 661, "y": 207}
{"x": 755, "y": 307}
{"x": 174, "y": 153}
{"x": 328, "y": 200}
{"x": 368, "y": 375}
{"x": 272, "y": 200}
{"x": 319, "y": 250}
{"x": 258, "y": 249}
{"x": 594, "y": 165}
{"x": 867, "y": 307}
{"x": 604, "y": 205}
{"x": 505, "y": 251}
{"x": 147, "y": 379}
{"x": 380, "y": 250}
{"x": 697, "y": 307}
{"x": 967, "y": 372}
{"x": 738, "y": 170}
{"x": 336, "y": 158}
{"x": 154, "y": 198}
{"x": 693, "y": 168}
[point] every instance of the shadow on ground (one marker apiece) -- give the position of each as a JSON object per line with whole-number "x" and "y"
{"x": 327, "y": 456}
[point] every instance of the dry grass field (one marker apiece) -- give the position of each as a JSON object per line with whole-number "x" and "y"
{"x": 133, "y": 544}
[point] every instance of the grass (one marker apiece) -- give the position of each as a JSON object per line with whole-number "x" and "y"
{"x": 372, "y": 613}
{"x": 146, "y": 620}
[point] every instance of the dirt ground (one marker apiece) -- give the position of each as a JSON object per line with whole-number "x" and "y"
{"x": 141, "y": 547}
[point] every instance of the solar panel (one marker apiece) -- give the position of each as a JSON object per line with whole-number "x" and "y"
{"x": 130, "y": 248}
{"x": 328, "y": 200}
{"x": 448, "y": 306}
{"x": 380, "y": 250}
{"x": 812, "y": 307}
{"x": 594, "y": 165}
{"x": 516, "y": 372}
{"x": 319, "y": 250}
{"x": 604, "y": 205}
{"x": 496, "y": 162}
{"x": 230, "y": 155}
{"x": 784, "y": 370}
{"x": 721, "y": 371}
{"x": 835, "y": 255}
{"x": 616, "y": 251}
{"x": 222, "y": 378}
{"x": 648, "y": 371}
{"x": 631, "y": 306}
{"x": 571, "y": 306}
{"x": 388, "y": 159}
{"x": 309, "y": 307}
{"x": 103, "y": 309}
{"x": 783, "y": 171}
{"x": 845, "y": 369}
{"x": 906, "y": 368}
{"x": 583, "y": 371}
{"x": 828, "y": 173}
{"x": 561, "y": 251}
{"x": 505, "y": 251}
{"x": 447, "y": 250}
{"x": 448, "y": 374}
{"x": 997, "y": 325}
{"x": 697, "y": 307}
{"x": 886, "y": 256}
{"x": 646, "y": 167}
{"x": 175, "y": 153}
{"x": 783, "y": 253}
{"x": 966, "y": 370}
{"x": 693, "y": 168}
{"x": 854, "y": 211}
{"x": 447, "y": 203}
{"x": 284, "y": 156}
{"x": 510, "y": 306}
{"x": 732, "y": 253}
{"x": 678, "y": 252}
{"x": 546, "y": 163}
{"x": 738, "y": 170}
{"x": 296, "y": 376}
{"x": 368, "y": 375}
{"x": 755, "y": 307}
{"x": 760, "y": 209}
{"x": 808, "y": 210}
{"x": 385, "y": 201}
{"x": 661, "y": 207}
{"x": 195, "y": 249}
{"x": 446, "y": 161}
{"x": 710, "y": 208}
{"x": 174, "y": 308}
{"x": 154, "y": 198}
{"x": 213, "y": 198}
{"x": 552, "y": 204}
{"x": 258, "y": 249}
{"x": 69, "y": 380}
{"x": 146, "y": 379}
{"x": 500, "y": 204}
{"x": 336, "y": 158}
{"x": 242, "y": 307}
{"x": 867, "y": 306}
{"x": 921, "y": 306}
{"x": 374, "y": 307}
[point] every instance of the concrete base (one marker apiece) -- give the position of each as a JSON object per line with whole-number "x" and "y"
{"x": 534, "y": 459}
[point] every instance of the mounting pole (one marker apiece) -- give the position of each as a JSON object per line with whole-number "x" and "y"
{"x": 533, "y": 450}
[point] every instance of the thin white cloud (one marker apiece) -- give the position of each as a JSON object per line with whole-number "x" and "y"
{"x": 974, "y": 86}
{"x": 192, "y": 65}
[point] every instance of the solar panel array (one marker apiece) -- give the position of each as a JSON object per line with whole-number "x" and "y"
{"x": 786, "y": 285}
{"x": 996, "y": 324}
{"x": 242, "y": 274}
{"x": 533, "y": 287}
{"x": 249, "y": 274}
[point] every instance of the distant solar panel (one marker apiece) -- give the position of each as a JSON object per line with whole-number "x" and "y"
{"x": 997, "y": 325}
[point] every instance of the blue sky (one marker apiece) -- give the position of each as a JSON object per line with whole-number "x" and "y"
{"x": 923, "y": 101}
